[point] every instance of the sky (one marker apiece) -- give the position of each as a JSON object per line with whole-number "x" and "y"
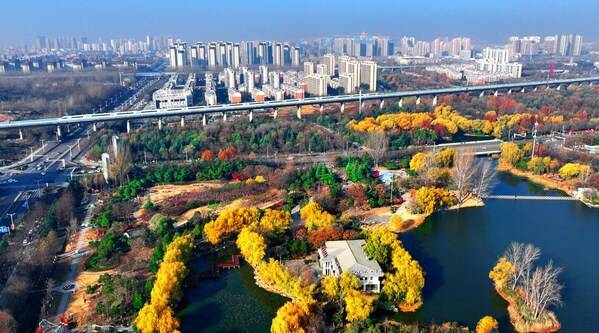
{"x": 489, "y": 21}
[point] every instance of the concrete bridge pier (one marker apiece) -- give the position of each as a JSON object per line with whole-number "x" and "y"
{"x": 58, "y": 133}
{"x": 418, "y": 101}
{"x": 203, "y": 120}
{"x": 342, "y": 107}
{"x": 400, "y": 103}
{"x": 361, "y": 106}
{"x": 559, "y": 87}
{"x": 182, "y": 121}
{"x": 20, "y": 134}
{"x": 224, "y": 116}
{"x": 482, "y": 94}
{"x": 275, "y": 113}
{"x": 159, "y": 123}
{"x": 382, "y": 105}
{"x": 535, "y": 89}
{"x": 523, "y": 90}
{"x": 251, "y": 116}
{"x": 321, "y": 108}
{"x": 509, "y": 92}
{"x": 299, "y": 112}
{"x": 496, "y": 93}
{"x": 94, "y": 127}
{"x": 435, "y": 101}
{"x": 128, "y": 126}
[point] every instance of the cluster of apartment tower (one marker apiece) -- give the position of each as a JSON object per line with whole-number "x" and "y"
{"x": 227, "y": 54}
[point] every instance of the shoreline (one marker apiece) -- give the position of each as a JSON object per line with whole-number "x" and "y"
{"x": 522, "y": 326}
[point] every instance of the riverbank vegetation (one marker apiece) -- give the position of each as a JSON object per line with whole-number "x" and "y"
{"x": 553, "y": 168}
{"x": 529, "y": 290}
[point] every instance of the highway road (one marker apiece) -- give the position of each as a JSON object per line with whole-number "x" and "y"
{"x": 26, "y": 182}
{"x": 247, "y": 107}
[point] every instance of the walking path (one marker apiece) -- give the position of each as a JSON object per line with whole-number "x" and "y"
{"x": 76, "y": 260}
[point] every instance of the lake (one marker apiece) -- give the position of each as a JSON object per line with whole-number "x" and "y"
{"x": 457, "y": 249}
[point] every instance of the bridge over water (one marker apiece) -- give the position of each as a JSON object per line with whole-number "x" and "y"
{"x": 529, "y": 197}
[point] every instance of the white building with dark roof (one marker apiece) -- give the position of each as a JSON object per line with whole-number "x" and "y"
{"x": 341, "y": 256}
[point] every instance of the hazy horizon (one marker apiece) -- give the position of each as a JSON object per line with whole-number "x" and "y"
{"x": 484, "y": 21}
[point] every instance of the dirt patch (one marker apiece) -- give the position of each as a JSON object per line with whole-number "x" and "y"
{"x": 5, "y": 117}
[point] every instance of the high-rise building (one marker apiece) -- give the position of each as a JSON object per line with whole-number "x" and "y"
{"x": 329, "y": 61}
{"x": 235, "y": 56}
{"x": 368, "y": 74}
{"x": 343, "y": 60}
{"x": 263, "y": 74}
{"x": 321, "y": 69}
{"x": 295, "y": 56}
{"x": 346, "y": 81}
{"x": 308, "y": 67}
{"x": 212, "y": 55}
{"x": 278, "y": 54}
{"x": 316, "y": 85}
{"x": 178, "y": 56}
{"x": 577, "y": 46}
{"x": 353, "y": 68}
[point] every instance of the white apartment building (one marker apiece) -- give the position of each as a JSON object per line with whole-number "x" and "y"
{"x": 496, "y": 62}
{"x": 346, "y": 81}
{"x": 316, "y": 84}
{"x": 308, "y": 67}
{"x": 368, "y": 74}
{"x": 173, "y": 95}
{"x": 336, "y": 257}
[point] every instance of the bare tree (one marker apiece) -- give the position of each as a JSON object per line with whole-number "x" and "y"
{"x": 121, "y": 164}
{"x": 542, "y": 289}
{"x": 484, "y": 178}
{"x": 377, "y": 145}
{"x": 521, "y": 256}
{"x": 462, "y": 175}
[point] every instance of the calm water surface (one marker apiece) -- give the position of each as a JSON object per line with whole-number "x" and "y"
{"x": 457, "y": 249}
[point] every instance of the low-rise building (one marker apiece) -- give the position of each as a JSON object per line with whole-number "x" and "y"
{"x": 173, "y": 95}
{"x": 336, "y": 257}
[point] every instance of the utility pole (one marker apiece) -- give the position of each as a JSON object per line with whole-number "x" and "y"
{"x": 534, "y": 140}
{"x": 12, "y": 222}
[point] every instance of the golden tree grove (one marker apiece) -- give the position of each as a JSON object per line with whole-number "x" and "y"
{"x": 315, "y": 217}
{"x": 292, "y": 317}
{"x": 358, "y": 305}
{"x": 275, "y": 220}
{"x": 252, "y": 246}
{"x": 157, "y": 316}
{"x": 230, "y": 220}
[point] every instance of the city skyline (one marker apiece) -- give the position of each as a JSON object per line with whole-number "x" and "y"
{"x": 484, "y": 22}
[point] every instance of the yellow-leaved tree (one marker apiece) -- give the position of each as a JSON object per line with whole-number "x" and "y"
{"x": 315, "y": 217}
{"x": 228, "y": 221}
{"x": 500, "y": 274}
{"x": 273, "y": 275}
{"x": 292, "y": 317}
{"x": 510, "y": 153}
{"x": 358, "y": 305}
{"x": 157, "y": 315}
{"x": 429, "y": 199}
{"x": 487, "y": 324}
{"x": 275, "y": 221}
{"x": 330, "y": 286}
{"x": 418, "y": 161}
{"x": 252, "y": 246}
{"x": 573, "y": 170}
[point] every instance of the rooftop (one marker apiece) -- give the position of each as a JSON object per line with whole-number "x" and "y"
{"x": 351, "y": 257}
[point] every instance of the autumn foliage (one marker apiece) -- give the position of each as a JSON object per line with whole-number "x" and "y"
{"x": 230, "y": 220}
{"x": 252, "y": 246}
{"x": 487, "y": 324}
{"x": 315, "y": 217}
{"x": 404, "y": 285}
{"x": 157, "y": 316}
{"x": 429, "y": 199}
